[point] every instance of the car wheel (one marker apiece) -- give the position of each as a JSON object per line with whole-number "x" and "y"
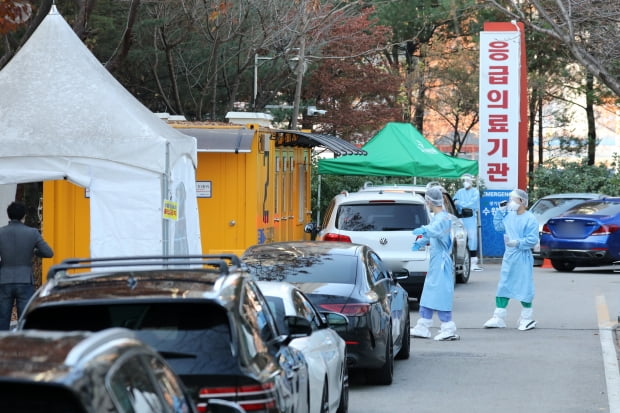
{"x": 563, "y": 266}
{"x": 403, "y": 353}
{"x": 325, "y": 398}
{"x": 385, "y": 374}
{"x": 343, "y": 406}
{"x": 463, "y": 276}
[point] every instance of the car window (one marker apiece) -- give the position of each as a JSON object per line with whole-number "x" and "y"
{"x": 448, "y": 204}
{"x": 381, "y": 217}
{"x": 276, "y": 305}
{"x": 192, "y": 337}
{"x": 598, "y": 207}
{"x": 328, "y": 213}
{"x": 133, "y": 388}
{"x": 255, "y": 314}
{"x": 378, "y": 273}
{"x": 305, "y": 310}
{"x": 17, "y": 397}
{"x": 330, "y": 268}
{"x": 548, "y": 203}
{"x": 165, "y": 379}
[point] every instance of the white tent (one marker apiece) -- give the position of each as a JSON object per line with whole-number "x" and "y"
{"x": 63, "y": 116}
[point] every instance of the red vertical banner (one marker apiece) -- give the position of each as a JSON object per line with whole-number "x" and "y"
{"x": 503, "y": 106}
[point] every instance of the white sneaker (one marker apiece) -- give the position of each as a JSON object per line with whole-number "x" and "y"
{"x": 526, "y": 324}
{"x": 447, "y": 332}
{"x": 421, "y": 329}
{"x": 495, "y": 322}
{"x": 475, "y": 267}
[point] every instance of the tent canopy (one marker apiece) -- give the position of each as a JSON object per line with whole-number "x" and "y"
{"x": 64, "y": 116}
{"x": 399, "y": 150}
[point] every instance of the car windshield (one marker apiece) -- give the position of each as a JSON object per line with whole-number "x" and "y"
{"x": 381, "y": 217}
{"x": 296, "y": 267}
{"x": 193, "y": 337}
{"x": 598, "y": 207}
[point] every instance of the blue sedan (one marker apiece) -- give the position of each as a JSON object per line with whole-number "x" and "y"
{"x": 587, "y": 235}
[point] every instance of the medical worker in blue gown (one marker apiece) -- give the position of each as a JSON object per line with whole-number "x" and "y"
{"x": 469, "y": 197}
{"x": 438, "y": 291}
{"x": 516, "y": 281}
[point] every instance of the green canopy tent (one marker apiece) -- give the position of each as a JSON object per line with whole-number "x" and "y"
{"x": 399, "y": 150}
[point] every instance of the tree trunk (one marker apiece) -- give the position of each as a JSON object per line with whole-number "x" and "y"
{"x": 530, "y": 130}
{"x": 122, "y": 50}
{"x": 590, "y": 116}
{"x": 541, "y": 142}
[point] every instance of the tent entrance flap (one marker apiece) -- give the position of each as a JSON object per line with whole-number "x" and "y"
{"x": 399, "y": 150}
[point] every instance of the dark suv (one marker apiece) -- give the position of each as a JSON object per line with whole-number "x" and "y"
{"x": 80, "y": 372}
{"x": 203, "y": 314}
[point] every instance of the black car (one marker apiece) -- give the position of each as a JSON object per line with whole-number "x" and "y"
{"x": 80, "y": 372}
{"x": 350, "y": 279}
{"x": 204, "y": 315}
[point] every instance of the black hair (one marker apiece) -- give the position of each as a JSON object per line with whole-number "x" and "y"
{"x": 16, "y": 211}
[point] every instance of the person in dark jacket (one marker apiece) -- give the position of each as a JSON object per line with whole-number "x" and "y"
{"x": 18, "y": 244}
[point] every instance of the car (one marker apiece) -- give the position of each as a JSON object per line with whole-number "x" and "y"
{"x": 553, "y": 205}
{"x": 324, "y": 350}
{"x": 586, "y": 235}
{"x": 79, "y": 372}
{"x": 350, "y": 279}
{"x": 204, "y": 314}
{"x": 383, "y": 218}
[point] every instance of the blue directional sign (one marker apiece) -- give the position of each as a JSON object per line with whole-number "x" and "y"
{"x": 492, "y": 241}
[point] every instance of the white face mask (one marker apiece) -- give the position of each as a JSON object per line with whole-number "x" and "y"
{"x": 512, "y": 205}
{"x": 466, "y": 184}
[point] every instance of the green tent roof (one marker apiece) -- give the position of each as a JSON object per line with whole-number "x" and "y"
{"x": 399, "y": 150}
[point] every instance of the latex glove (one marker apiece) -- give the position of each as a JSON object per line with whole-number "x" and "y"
{"x": 416, "y": 247}
{"x": 419, "y": 231}
{"x": 512, "y": 243}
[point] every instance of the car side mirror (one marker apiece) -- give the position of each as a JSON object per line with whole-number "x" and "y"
{"x": 223, "y": 406}
{"x": 312, "y": 228}
{"x": 336, "y": 319}
{"x": 466, "y": 213}
{"x": 298, "y": 326}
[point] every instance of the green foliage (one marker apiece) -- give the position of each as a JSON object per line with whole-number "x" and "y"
{"x": 560, "y": 177}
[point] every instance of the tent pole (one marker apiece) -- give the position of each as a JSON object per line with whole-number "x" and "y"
{"x": 165, "y": 230}
{"x": 318, "y": 201}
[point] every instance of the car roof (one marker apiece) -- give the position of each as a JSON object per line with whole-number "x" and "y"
{"x": 49, "y": 356}
{"x": 306, "y": 248}
{"x": 575, "y": 195}
{"x": 135, "y": 278}
{"x": 380, "y": 195}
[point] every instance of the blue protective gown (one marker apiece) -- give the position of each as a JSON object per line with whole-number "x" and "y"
{"x": 517, "y": 272}
{"x": 469, "y": 198}
{"x": 439, "y": 284}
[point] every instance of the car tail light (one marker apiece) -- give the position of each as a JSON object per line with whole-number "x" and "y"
{"x": 545, "y": 229}
{"x": 606, "y": 229}
{"x": 253, "y": 398}
{"x": 336, "y": 237}
{"x": 347, "y": 309}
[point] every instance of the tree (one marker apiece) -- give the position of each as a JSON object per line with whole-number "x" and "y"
{"x": 589, "y": 30}
{"x": 353, "y": 81}
{"x": 13, "y": 14}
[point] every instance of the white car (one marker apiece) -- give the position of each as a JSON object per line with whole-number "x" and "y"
{"x": 324, "y": 349}
{"x": 383, "y": 217}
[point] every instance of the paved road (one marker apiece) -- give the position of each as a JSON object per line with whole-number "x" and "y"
{"x": 565, "y": 365}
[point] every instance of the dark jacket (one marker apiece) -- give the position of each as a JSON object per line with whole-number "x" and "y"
{"x": 18, "y": 243}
